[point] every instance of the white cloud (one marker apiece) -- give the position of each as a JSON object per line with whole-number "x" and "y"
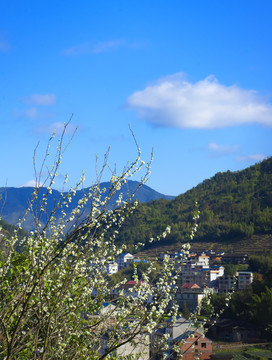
{"x": 88, "y": 48}
{"x": 223, "y": 149}
{"x": 30, "y": 183}
{"x": 40, "y": 99}
{"x": 206, "y": 104}
{"x": 253, "y": 157}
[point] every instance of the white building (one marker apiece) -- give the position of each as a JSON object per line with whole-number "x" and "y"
{"x": 215, "y": 273}
{"x": 244, "y": 280}
{"x": 203, "y": 260}
{"x": 112, "y": 267}
{"x": 124, "y": 260}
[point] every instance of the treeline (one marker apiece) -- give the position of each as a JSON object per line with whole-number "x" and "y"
{"x": 233, "y": 205}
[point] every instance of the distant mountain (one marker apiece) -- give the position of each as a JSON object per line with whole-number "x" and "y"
{"x": 14, "y": 201}
{"x": 233, "y": 206}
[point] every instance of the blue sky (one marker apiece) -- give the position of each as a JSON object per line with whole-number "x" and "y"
{"x": 193, "y": 79}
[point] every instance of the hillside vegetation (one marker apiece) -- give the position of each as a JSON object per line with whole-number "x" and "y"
{"x": 6, "y": 231}
{"x": 233, "y": 206}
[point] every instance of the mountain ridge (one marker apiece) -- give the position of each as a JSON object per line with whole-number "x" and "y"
{"x": 14, "y": 201}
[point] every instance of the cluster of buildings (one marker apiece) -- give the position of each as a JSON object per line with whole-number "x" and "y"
{"x": 198, "y": 277}
{"x": 189, "y": 338}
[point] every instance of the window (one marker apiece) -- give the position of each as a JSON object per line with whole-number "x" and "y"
{"x": 203, "y": 345}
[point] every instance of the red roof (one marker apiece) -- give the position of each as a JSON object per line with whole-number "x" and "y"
{"x": 133, "y": 282}
{"x": 190, "y": 286}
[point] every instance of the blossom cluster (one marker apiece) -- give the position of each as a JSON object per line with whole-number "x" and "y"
{"x": 52, "y": 292}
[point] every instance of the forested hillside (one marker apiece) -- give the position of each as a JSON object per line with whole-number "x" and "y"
{"x": 233, "y": 205}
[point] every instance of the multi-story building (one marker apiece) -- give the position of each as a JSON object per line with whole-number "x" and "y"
{"x": 215, "y": 273}
{"x": 203, "y": 260}
{"x": 202, "y": 275}
{"x": 124, "y": 260}
{"x": 241, "y": 281}
{"x": 235, "y": 258}
{"x": 226, "y": 283}
{"x": 196, "y": 346}
{"x": 244, "y": 280}
{"x": 190, "y": 295}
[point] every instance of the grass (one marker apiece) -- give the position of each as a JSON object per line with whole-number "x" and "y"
{"x": 247, "y": 351}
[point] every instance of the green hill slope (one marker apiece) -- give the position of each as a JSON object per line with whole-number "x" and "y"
{"x": 233, "y": 205}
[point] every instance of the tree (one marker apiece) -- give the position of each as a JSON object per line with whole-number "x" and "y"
{"x": 185, "y": 312}
{"x": 230, "y": 270}
{"x": 52, "y": 292}
{"x": 260, "y": 310}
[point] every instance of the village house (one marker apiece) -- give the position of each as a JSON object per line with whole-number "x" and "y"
{"x": 178, "y": 328}
{"x": 196, "y": 345}
{"x": 226, "y": 283}
{"x": 215, "y": 272}
{"x": 124, "y": 260}
{"x": 179, "y": 333}
{"x": 235, "y": 258}
{"x": 190, "y": 295}
{"x": 111, "y": 267}
{"x": 138, "y": 347}
{"x": 244, "y": 280}
{"x": 132, "y": 289}
{"x": 203, "y": 260}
